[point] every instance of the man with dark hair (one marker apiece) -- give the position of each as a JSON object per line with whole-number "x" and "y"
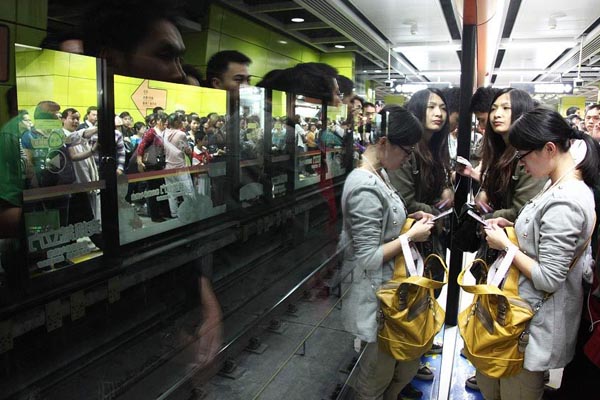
{"x": 138, "y": 38}
{"x": 592, "y": 116}
{"x": 346, "y": 86}
{"x": 452, "y": 97}
{"x": 480, "y": 105}
{"x": 91, "y": 118}
{"x": 227, "y": 70}
{"x": 574, "y": 110}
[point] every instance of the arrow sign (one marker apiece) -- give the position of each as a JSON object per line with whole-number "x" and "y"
{"x": 145, "y": 97}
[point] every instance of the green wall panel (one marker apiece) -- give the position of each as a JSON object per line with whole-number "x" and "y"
{"x": 215, "y": 18}
{"x": 289, "y": 49}
{"x": 8, "y": 10}
{"x": 33, "y": 13}
{"x": 309, "y": 55}
{"x": 29, "y": 36}
{"x": 195, "y": 44}
{"x": 213, "y": 45}
{"x": 4, "y": 117}
{"x": 238, "y": 26}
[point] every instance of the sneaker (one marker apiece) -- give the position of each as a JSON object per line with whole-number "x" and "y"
{"x": 410, "y": 392}
{"x": 471, "y": 383}
{"x": 436, "y": 348}
{"x": 424, "y": 373}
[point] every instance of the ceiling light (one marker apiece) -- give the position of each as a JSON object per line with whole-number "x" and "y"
{"x": 282, "y": 41}
{"x": 377, "y": 71}
{"x": 339, "y": 46}
{"x": 298, "y": 20}
{"x": 364, "y": 71}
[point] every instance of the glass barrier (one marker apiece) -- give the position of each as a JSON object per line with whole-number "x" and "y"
{"x": 61, "y": 200}
{"x": 176, "y": 171}
{"x": 252, "y": 122}
{"x": 282, "y": 146}
{"x": 331, "y": 140}
{"x": 307, "y": 125}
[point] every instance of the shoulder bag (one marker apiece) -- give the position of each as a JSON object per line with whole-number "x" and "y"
{"x": 409, "y": 314}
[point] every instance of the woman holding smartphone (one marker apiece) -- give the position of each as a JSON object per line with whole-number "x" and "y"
{"x": 374, "y": 214}
{"x": 505, "y": 185}
{"x": 553, "y": 230}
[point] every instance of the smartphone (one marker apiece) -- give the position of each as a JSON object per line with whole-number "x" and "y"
{"x": 463, "y": 161}
{"x": 477, "y": 218}
{"x": 443, "y": 214}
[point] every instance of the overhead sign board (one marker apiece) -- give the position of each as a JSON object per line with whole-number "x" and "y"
{"x": 544, "y": 87}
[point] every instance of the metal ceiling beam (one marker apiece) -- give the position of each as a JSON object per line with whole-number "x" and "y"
{"x": 268, "y": 20}
{"x": 305, "y": 26}
{"x": 274, "y": 7}
{"x": 332, "y": 39}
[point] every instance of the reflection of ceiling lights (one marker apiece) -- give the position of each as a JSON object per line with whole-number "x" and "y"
{"x": 339, "y": 46}
{"x": 537, "y": 43}
{"x": 431, "y": 46}
{"x": 298, "y": 20}
{"x": 377, "y": 71}
{"x": 282, "y": 41}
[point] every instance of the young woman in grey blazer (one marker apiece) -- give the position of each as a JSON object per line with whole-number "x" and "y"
{"x": 553, "y": 230}
{"x": 374, "y": 213}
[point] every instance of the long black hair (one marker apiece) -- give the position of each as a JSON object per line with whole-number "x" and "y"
{"x": 537, "y": 127}
{"x": 498, "y": 158}
{"x": 433, "y": 156}
{"x": 399, "y": 125}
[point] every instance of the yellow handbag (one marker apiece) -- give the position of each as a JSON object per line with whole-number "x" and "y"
{"x": 493, "y": 324}
{"x": 409, "y": 314}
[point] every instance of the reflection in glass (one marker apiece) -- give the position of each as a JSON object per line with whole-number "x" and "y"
{"x": 252, "y": 122}
{"x": 188, "y": 183}
{"x": 55, "y": 92}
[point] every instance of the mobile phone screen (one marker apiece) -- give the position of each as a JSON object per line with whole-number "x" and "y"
{"x": 443, "y": 214}
{"x": 477, "y": 218}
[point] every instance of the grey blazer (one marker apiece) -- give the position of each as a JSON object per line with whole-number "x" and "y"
{"x": 373, "y": 215}
{"x": 553, "y": 229}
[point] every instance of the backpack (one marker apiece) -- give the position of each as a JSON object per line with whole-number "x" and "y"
{"x": 409, "y": 314}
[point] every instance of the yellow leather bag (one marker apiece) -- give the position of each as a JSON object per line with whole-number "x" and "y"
{"x": 493, "y": 324}
{"x": 409, "y": 314}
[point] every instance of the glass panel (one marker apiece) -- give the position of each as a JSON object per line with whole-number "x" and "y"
{"x": 332, "y": 140}
{"x": 282, "y": 144}
{"x": 252, "y": 122}
{"x": 188, "y": 185}
{"x": 307, "y": 124}
{"x": 61, "y": 201}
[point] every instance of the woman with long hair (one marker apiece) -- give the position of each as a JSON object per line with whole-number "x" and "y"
{"x": 553, "y": 231}
{"x": 505, "y": 186}
{"x": 424, "y": 181}
{"x": 373, "y": 214}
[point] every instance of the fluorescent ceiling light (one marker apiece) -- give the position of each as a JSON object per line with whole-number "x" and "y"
{"x": 528, "y": 43}
{"x": 339, "y": 46}
{"x": 435, "y": 46}
{"x": 377, "y": 71}
{"x": 282, "y": 41}
{"x": 298, "y": 20}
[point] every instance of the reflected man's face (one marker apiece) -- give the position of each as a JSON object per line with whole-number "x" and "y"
{"x": 157, "y": 57}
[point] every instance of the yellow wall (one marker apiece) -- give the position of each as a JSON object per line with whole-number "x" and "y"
{"x": 68, "y": 79}
{"x": 26, "y": 21}
{"x": 571, "y": 101}
{"x": 189, "y": 98}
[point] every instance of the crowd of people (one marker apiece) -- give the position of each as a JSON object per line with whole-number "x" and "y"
{"x": 533, "y": 169}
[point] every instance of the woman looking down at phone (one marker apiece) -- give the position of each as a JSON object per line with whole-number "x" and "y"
{"x": 374, "y": 214}
{"x": 553, "y": 231}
